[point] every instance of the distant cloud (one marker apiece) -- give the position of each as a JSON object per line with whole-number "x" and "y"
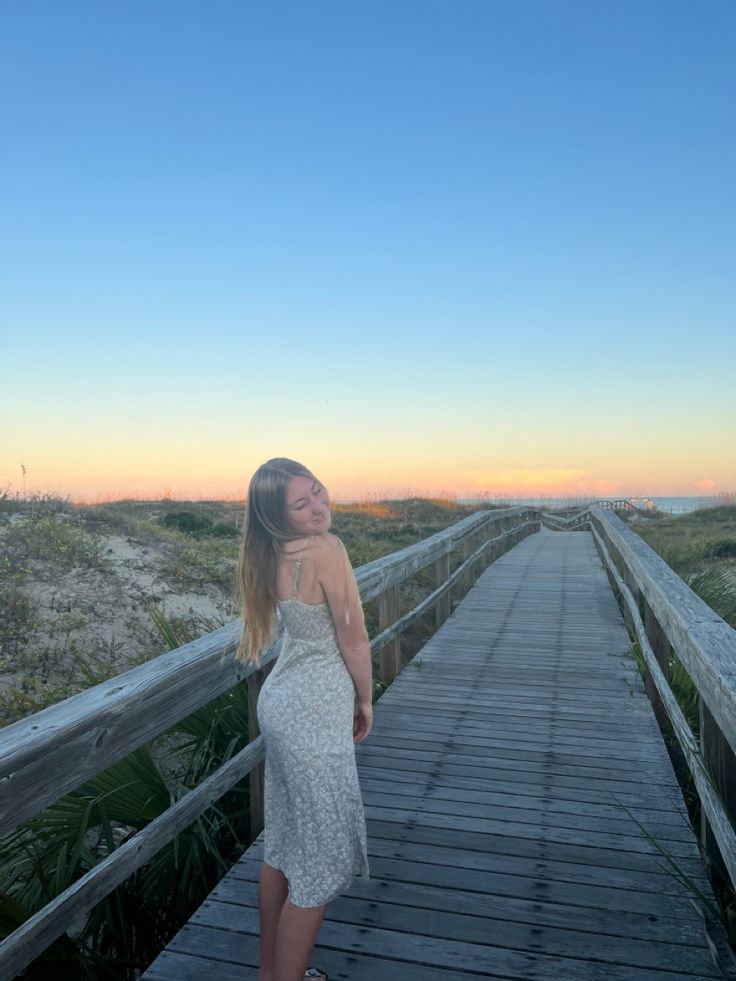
{"x": 706, "y": 485}
{"x": 605, "y": 488}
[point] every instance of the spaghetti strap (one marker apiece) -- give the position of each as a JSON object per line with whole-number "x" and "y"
{"x": 299, "y": 568}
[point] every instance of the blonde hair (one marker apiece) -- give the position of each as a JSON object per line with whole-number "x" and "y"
{"x": 264, "y": 532}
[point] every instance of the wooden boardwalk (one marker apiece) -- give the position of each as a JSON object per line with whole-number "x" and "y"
{"x": 500, "y": 782}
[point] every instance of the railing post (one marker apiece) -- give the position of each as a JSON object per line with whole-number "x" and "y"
{"x": 661, "y": 650}
{"x": 720, "y": 763}
{"x": 478, "y": 564}
{"x": 468, "y": 574}
{"x": 390, "y": 655}
{"x": 442, "y": 574}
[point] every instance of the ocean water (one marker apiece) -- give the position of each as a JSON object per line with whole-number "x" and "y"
{"x": 680, "y": 505}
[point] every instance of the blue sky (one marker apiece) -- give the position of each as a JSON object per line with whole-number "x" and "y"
{"x": 428, "y": 244}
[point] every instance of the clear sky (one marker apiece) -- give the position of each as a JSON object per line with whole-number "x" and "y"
{"x": 462, "y": 245}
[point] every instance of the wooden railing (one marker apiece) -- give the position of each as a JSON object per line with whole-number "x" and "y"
{"x": 53, "y": 752}
{"x": 621, "y": 504}
{"x": 664, "y": 615}
{"x": 578, "y": 520}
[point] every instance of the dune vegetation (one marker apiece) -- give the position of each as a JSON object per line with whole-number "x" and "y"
{"x": 90, "y": 591}
{"x": 701, "y": 548}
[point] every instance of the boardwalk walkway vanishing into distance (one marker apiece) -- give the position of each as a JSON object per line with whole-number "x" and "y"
{"x": 508, "y": 772}
{"x": 520, "y": 801}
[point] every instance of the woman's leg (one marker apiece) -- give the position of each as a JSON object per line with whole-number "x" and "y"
{"x": 273, "y": 888}
{"x": 297, "y": 932}
{"x": 288, "y": 932}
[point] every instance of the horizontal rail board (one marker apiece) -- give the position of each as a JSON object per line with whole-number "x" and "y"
{"x": 376, "y": 577}
{"x": 405, "y": 621}
{"x": 76, "y": 739}
{"x": 54, "y": 751}
{"x": 56, "y": 917}
{"x": 702, "y": 640}
{"x": 497, "y": 852}
{"x": 710, "y": 801}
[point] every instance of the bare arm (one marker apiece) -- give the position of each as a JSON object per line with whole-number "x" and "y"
{"x": 338, "y": 581}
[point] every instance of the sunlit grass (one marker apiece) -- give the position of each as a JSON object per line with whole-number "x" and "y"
{"x": 700, "y": 546}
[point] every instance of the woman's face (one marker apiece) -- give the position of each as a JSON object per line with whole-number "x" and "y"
{"x": 307, "y": 506}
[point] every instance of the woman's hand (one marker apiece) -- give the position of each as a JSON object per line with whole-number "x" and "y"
{"x": 362, "y": 720}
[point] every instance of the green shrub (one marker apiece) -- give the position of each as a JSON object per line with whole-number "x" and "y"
{"x": 221, "y": 530}
{"x": 191, "y": 524}
{"x": 190, "y": 563}
{"x": 54, "y": 537}
{"x": 723, "y": 548}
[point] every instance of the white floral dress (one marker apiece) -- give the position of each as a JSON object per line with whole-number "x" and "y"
{"x": 314, "y": 822}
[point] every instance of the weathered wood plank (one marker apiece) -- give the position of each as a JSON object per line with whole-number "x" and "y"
{"x": 703, "y": 641}
{"x": 716, "y": 813}
{"x": 511, "y": 872}
{"x": 534, "y": 802}
{"x": 41, "y": 929}
{"x": 494, "y": 928}
{"x": 481, "y": 893}
{"x": 54, "y": 751}
{"x": 388, "y": 606}
{"x": 376, "y": 577}
{"x": 539, "y": 858}
{"x": 338, "y": 942}
{"x": 495, "y": 784}
{"x": 175, "y": 966}
{"x": 50, "y": 753}
{"x": 388, "y": 643}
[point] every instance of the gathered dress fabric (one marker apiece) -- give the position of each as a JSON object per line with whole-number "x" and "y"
{"x": 314, "y": 821}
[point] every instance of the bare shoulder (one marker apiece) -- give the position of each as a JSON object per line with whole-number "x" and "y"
{"x": 327, "y": 544}
{"x": 329, "y": 553}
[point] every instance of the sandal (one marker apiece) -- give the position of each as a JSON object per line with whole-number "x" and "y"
{"x": 316, "y": 972}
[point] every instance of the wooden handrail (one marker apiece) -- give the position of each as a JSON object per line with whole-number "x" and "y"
{"x": 711, "y": 802}
{"x": 50, "y": 753}
{"x": 664, "y": 614}
{"x": 46, "y": 755}
{"x": 701, "y": 639}
{"x": 559, "y": 522}
{"x": 400, "y": 625}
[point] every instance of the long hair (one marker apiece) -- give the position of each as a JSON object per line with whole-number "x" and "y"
{"x": 264, "y": 532}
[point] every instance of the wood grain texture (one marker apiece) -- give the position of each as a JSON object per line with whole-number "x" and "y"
{"x": 702, "y": 640}
{"x": 719, "y": 821}
{"x": 510, "y": 767}
{"x": 54, "y": 751}
{"x": 41, "y": 929}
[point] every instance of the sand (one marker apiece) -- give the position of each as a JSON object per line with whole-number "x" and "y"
{"x": 99, "y": 614}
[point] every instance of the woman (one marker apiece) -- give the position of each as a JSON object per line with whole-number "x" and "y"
{"x": 313, "y": 706}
